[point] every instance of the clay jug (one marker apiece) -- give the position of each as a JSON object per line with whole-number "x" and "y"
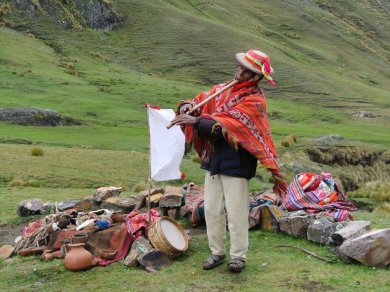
{"x": 78, "y": 259}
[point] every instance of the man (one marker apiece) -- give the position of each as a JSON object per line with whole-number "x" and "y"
{"x": 230, "y": 133}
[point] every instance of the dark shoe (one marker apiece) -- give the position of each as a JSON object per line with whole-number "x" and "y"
{"x": 236, "y": 265}
{"x": 213, "y": 261}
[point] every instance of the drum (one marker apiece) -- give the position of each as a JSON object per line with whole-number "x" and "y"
{"x": 168, "y": 236}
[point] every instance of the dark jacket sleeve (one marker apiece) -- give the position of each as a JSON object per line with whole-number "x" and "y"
{"x": 206, "y": 127}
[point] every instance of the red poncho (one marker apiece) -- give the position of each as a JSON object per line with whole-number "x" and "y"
{"x": 241, "y": 112}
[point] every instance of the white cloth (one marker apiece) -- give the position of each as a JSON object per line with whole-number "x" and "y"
{"x": 166, "y": 145}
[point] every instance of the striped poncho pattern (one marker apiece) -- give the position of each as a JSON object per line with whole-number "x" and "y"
{"x": 297, "y": 199}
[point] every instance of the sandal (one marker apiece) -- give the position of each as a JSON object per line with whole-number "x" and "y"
{"x": 213, "y": 261}
{"x": 236, "y": 265}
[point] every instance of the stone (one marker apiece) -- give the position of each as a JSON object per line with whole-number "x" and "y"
{"x": 87, "y": 204}
{"x": 104, "y": 193}
{"x": 270, "y": 217}
{"x": 154, "y": 200}
{"x": 154, "y": 259}
{"x": 30, "y": 207}
{"x": 35, "y": 117}
{"x": 141, "y": 197}
{"x": 371, "y": 249}
{"x": 321, "y": 230}
{"x": 66, "y": 205}
{"x": 6, "y": 251}
{"x": 123, "y": 205}
{"x": 171, "y": 201}
{"x": 140, "y": 246}
{"x": 48, "y": 208}
{"x": 170, "y": 190}
{"x": 296, "y": 225}
{"x": 353, "y": 229}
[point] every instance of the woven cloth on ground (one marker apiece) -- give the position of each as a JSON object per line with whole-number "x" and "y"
{"x": 326, "y": 199}
{"x": 193, "y": 196}
{"x": 115, "y": 238}
{"x": 137, "y": 223}
{"x": 241, "y": 112}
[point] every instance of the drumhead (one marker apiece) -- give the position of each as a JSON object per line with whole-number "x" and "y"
{"x": 173, "y": 234}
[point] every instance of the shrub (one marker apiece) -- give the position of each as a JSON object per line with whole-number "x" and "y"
{"x": 36, "y": 151}
{"x": 383, "y": 208}
{"x": 140, "y": 186}
{"x": 289, "y": 140}
{"x": 16, "y": 182}
{"x": 32, "y": 183}
{"x": 195, "y": 158}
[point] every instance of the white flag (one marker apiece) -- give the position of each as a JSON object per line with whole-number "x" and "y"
{"x": 166, "y": 145}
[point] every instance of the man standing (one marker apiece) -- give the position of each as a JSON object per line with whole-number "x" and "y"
{"x": 230, "y": 133}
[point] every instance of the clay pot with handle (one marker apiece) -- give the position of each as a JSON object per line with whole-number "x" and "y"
{"x": 78, "y": 258}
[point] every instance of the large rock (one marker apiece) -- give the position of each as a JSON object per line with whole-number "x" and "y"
{"x": 353, "y": 229}
{"x": 6, "y": 251}
{"x": 140, "y": 246}
{"x": 171, "y": 201}
{"x": 30, "y": 207}
{"x": 154, "y": 259}
{"x": 141, "y": 197}
{"x": 296, "y": 225}
{"x": 270, "y": 217}
{"x": 321, "y": 230}
{"x": 35, "y": 117}
{"x": 106, "y": 192}
{"x": 154, "y": 200}
{"x": 88, "y": 204}
{"x": 371, "y": 249}
{"x": 68, "y": 204}
{"x": 123, "y": 205}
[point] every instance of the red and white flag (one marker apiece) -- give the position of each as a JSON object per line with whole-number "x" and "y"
{"x": 166, "y": 145}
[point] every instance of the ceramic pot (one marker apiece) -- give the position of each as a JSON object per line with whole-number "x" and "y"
{"x": 47, "y": 255}
{"x": 79, "y": 238}
{"x": 117, "y": 217}
{"x": 78, "y": 259}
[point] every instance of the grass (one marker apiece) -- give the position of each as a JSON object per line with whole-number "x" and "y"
{"x": 267, "y": 268}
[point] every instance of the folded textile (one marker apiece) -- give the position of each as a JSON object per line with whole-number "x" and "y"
{"x": 326, "y": 198}
{"x": 194, "y": 203}
{"x": 137, "y": 224}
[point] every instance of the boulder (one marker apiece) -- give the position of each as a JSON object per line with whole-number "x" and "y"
{"x": 321, "y": 230}
{"x": 154, "y": 259}
{"x": 48, "y": 208}
{"x": 123, "y": 205}
{"x": 296, "y": 225}
{"x": 87, "y": 204}
{"x": 170, "y": 190}
{"x": 106, "y": 192}
{"x": 35, "y": 117}
{"x": 143, "y": 195}
{"x": 371, "y": 249}
{"x": 171, "y": 201}
{"x": 270, "y": 217}
{"x": 154, "y": 200}
{"x": 30, "y": 207}
{"x": 6, "y": 251}
{"x": 140, "y": 246}
{"x": 68, "y": 204}
{"x": 353, "y": 229}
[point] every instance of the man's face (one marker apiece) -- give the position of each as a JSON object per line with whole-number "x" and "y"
{"x": 243, "y": 74}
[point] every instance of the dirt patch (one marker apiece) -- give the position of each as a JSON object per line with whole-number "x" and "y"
{"x": 9, "y": 232}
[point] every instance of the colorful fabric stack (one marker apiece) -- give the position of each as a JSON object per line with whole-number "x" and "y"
{"x": 318, "y": 194}
{"x": 137, "y": 223}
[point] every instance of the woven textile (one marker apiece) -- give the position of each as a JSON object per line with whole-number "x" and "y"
{"x": 312, "y": 202}
{"x": 194, "y": 203}
{"x": 241, "y": 112}
{"x": 137, "y": 223}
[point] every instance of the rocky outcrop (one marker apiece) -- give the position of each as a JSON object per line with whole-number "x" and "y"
{"x": 70, "y": 14}
{"x": 35, "y": 117}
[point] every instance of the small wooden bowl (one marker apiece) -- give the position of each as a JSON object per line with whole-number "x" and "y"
{"x": 107, "y": 254}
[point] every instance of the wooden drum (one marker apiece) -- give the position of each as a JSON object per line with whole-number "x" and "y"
{"x": 168, "y": 236}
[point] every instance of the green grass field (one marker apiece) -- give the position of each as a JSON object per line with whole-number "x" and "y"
{"x": 331, "y": 58}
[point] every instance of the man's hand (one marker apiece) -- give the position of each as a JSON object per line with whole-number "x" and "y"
{"x": 185, "y": 120}
{"x": 185, "y": 108}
